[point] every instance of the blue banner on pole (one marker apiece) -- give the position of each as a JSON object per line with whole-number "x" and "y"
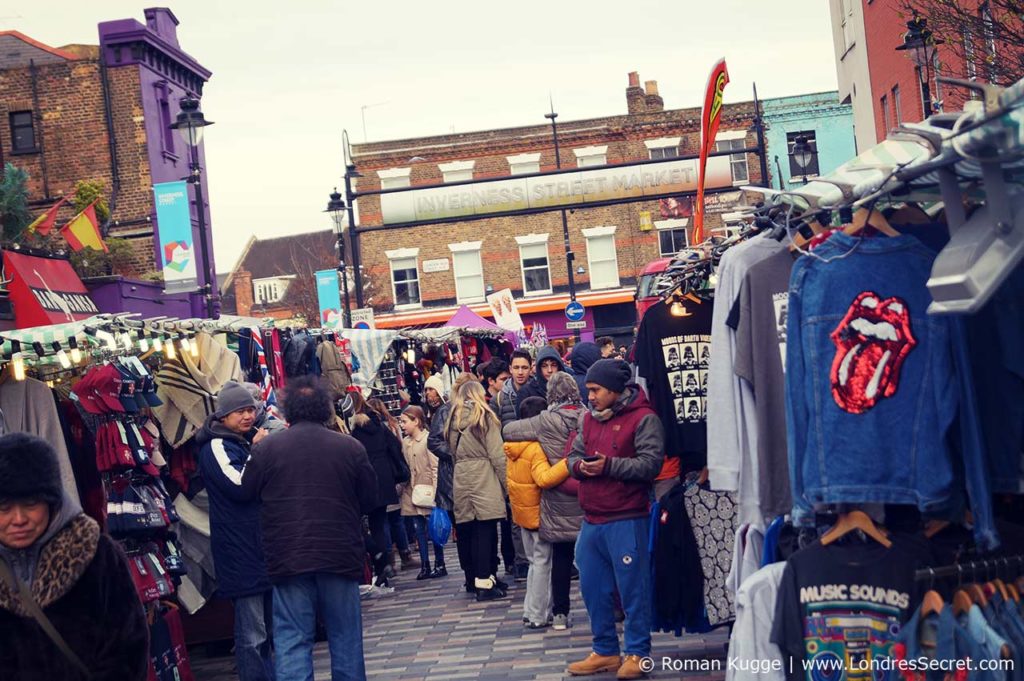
{"x": 174, "y": 227}
{"x": 329, "y": 296}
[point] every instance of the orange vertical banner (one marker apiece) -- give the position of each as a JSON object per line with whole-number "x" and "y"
{"x": 711, "y": 114}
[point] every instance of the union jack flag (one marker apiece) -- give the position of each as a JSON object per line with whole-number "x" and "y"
{"x": 267, "y": 384}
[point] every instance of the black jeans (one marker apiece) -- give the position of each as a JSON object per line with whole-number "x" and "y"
{"x": 378, "y": 521}
{"x": 479, "y": 537}
{"x": 508, "y": 547}
{"x": 561, "y": 575}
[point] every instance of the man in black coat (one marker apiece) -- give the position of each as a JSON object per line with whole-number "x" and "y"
{"x": 314, "y": 486}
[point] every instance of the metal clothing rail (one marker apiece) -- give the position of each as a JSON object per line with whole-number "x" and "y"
{"x": 971, "y": 568}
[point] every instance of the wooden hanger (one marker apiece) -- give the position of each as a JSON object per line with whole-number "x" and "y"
{"x": 800, "y": 242}
{"x": 961, "y": 602}
{"x": 1014, "y": 592}
{"x": 855, "y": 520}
{"x": 932, "y": 603}
{"x": 870, "y": 218}
{"x": 933, "y": 527}
{"x": 976, "y": 594}
{"x": 1000, "y": 586}
{"x": 703, "y": 477}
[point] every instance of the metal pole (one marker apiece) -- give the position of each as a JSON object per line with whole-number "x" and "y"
{"x": 759, "y": 128}
{"x": 197, "y": 181}
{"x": 569, "y": 255}
{"x": 344, "y": 278}
{"x": 349, "y": 200}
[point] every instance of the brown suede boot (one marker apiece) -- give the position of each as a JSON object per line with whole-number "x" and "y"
{"x": 631, "y": 668}
{"x": 595, "y": 664}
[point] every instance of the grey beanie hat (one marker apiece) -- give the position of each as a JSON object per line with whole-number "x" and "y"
{"x": 232, "y": 397}
{"x": 562, "y": 389}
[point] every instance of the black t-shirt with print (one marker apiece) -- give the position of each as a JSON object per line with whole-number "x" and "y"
{"x": 842, "y": 606}
{"x": 672, "y": 355}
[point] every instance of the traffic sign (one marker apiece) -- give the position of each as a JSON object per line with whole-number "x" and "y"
{"x": 574, "y": 311}
{"x": 582, "y": 324}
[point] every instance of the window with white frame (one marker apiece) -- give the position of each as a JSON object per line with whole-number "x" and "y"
{"x": 394, "y": 178}
{"x": 469, "y": 271}
{"x": 523, "y": 164}
{"x": 536, "y": 267}
{"x": 457, "y": 171}
{"x": 591, "y": 156}
{"x": 269, "y": 290}
{"x": 664, "y": 147}
{"x": 846, "y": 10}
{"x": 602, "y": 258}
{"x": 734, "y": 139}
{"x": 405, "y": 276}
{"x": 672, "y": 236}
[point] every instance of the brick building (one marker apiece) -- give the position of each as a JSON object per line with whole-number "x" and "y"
{"x": 445, "y": 220}
{"x": 102, "y": 112}
{"x": 275, "y": 277}
{"x": 884, "y": 85}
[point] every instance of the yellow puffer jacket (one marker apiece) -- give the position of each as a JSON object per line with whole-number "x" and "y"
{"x": 529, "y": 472}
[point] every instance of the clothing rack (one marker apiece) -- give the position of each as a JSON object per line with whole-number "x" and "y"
{"x": 972, "y": 568}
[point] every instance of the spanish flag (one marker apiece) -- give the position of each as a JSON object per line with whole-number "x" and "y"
{"x": 84, "y": 232}
{"x": 45, "y": 222}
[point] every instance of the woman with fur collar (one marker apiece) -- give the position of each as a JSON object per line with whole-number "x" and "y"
{"x": 55, "y": 554}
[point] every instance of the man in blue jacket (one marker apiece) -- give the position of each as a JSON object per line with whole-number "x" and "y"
{"x": 235, "y": 527}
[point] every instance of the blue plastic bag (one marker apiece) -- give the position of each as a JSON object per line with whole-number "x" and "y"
{"x": 440, "y": 526}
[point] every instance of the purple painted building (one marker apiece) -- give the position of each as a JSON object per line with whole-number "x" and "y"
{"x": 151, "y": 55}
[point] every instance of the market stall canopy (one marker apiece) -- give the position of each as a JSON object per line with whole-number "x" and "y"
{"x": 465, "y": 317}
{"x": 45, "y": 291}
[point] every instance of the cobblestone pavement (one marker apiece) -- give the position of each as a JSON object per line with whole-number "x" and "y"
{"x": 434, "y": 630}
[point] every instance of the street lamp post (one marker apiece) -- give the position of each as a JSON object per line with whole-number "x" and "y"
{"x": 802, "y": 154}
{"x": 189, "y": 124}
{"x": 350, "y": 198}
{"x": 569, "y": 255}
{"x": 920, "y": 44}
{"x": 336, "y": 207}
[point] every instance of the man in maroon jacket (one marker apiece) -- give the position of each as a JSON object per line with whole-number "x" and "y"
{"x": 616, "y": 456}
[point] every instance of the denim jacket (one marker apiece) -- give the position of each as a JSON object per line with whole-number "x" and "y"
{"x": 951, "y": 643}
{"x": 870, "y": 382}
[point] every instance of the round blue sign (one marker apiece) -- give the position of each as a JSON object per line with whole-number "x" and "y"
{"x": 575, "y": 311}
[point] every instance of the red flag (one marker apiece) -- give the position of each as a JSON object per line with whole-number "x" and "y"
{"x": 711, "y": 114}
{"x": 83, "y": 231}
{"x": 44, "y": 223}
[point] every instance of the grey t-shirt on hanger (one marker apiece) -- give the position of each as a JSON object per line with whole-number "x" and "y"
{"x": 760, "y": 323}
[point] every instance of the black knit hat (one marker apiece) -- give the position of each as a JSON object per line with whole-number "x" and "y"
{"x": 613, "y": 374}
{"x": 29, "y": 469}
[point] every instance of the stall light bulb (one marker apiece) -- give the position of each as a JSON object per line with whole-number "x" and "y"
{"x": 62, "y": 357}
{"x": 19, "y": 367}
{"x": 143, "y": 345}
{"x": 410, "y": 356}
{"x": 195, "y": 349}
{"x": 169, "y": 350}
{"x": 107, "y": 338}
{"x": 126, "y": 340}
{"x": 76, "y": 355}
{"x": 158, "y": 344}
{"x": 186, "y": 346}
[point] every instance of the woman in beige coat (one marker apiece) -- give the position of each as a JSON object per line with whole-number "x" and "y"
{"x": 423, "y": 468}
{"x": 474, "y": 438}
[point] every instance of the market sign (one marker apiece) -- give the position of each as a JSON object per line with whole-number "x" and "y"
{"x": 45, "y": 291}
{"x": 553, "y": 190}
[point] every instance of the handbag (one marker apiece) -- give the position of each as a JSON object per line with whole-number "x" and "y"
{"x": 29, "y": 603}
{"x": 423, "y": 496}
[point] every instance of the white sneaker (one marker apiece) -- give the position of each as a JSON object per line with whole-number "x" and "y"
{"x": 561, "y": 622}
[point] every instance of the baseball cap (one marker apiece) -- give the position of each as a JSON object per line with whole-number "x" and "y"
{"x": 107, "y": 388}
{"x": 84, "y": 392}
{"x": 149, "y": 392}
{"x": 126, "y": 396}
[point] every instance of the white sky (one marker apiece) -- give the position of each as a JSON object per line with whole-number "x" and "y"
{"x": 289, "y": 76}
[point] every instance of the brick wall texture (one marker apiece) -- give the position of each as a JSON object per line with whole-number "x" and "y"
{"x": 72, "y": 130}
{"x": 624, "y": 136}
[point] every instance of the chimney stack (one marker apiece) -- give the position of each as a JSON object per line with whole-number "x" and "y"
{"x": 243, "y": 293}
{"x": 161, "y": 20}
{"x": 652, "y": 99}
{"x": 635, "y": 100}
